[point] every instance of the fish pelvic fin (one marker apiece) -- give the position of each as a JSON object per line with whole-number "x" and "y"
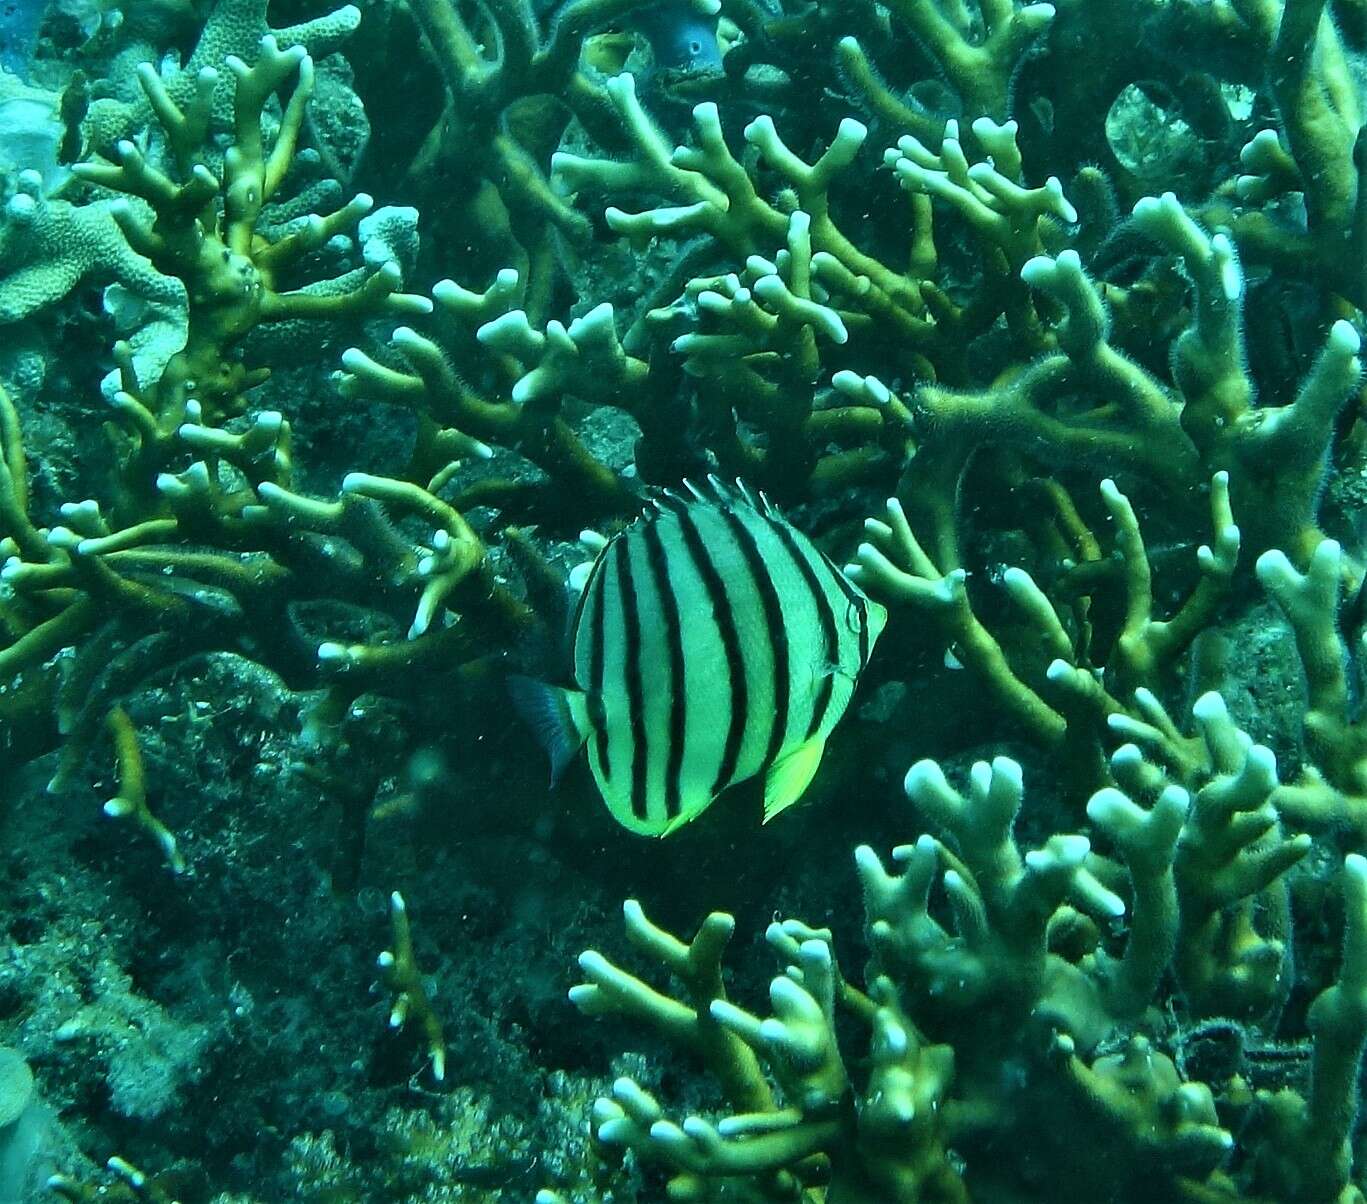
{"x": 689, "y": 812}
{"x": 790, "y": 775}
{"x": 676, "y": 823}
{"x": 556, "y": 716}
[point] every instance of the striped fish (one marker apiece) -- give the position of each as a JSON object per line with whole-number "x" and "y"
{"x": 712, "y": 642}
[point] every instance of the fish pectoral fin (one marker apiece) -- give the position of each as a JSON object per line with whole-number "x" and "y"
{"x": 790, "y": 775}
{"x": 555, "y": 717}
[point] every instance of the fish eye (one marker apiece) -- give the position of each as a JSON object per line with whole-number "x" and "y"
{"x": 695, "y": 47}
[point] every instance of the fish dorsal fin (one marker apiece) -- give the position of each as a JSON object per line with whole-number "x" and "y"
{"x": 554, "y": 718}
{"x": 790, "y": 775}
{"x": 716, "y": 492}
{"x": 697, "y": 491}
{"x": 660, "y": 502}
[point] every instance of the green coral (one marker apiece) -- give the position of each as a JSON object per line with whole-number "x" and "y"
{"x": 48, "y": 246}
{"x": 999, "y": 977}
{"x": 232, "y": 29}
{"x": 1070, "y": 372}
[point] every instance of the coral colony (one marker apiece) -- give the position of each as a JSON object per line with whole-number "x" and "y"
{"x": 331, "y": 341}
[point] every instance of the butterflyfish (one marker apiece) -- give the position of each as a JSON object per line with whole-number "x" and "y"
{"x": 712, "y": 642}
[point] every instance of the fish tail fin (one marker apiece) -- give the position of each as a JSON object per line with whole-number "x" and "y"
{"x": 551, "y": 714}
{"x": 790, "y": 775}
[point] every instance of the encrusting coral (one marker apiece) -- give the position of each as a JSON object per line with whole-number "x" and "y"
{"x": 47, "y": 246}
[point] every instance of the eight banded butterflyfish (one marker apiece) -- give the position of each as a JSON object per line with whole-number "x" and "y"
{"x": 712, "y": 642}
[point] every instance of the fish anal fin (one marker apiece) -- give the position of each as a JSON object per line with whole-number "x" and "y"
{"x": 556, "y": 717}
{"x": 790, "y": 775}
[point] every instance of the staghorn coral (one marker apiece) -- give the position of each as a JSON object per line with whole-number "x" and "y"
{"x": 443, "y": 380}
{"x": 204, "y": 541}
{"x": 227, "y": 566}
{"x": 1083, "y": 402}
{"x": 745, "y": 286}
{"x": 784, "y": 342}
{"x": 510, "y": 84}
{"x": 232, "y": 29}
{"x": 912, "y": 65}
{"x": 1089, "y": 404}
{"x": 1330, "y": 791}
{"x": 410, "y": 996}
{"x": 1311, "y": 152}
{"x": 1020, "y": 971}
{"x": 205, "y": 232}
{"x": 1050, "y": 673}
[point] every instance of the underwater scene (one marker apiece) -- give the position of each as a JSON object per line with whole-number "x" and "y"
{"x": 630, "y": 601}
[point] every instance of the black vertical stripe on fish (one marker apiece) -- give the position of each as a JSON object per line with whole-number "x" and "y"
{"x": 597, "y": 623}
{"x": 631, "y": 674}
{"x": 826, "y": 616}
{"x": 595, "y": 572}
{"x": 739, "y": 689}
{"x": 862, "y": 605}
{"x": 858, "y": 601}
{"x": 773, "y": 622}
{"x": 678, "y": 700}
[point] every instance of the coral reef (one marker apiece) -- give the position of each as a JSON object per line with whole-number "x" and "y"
{"x": 990, "y": 1032}
{"x": 328, "y": 330}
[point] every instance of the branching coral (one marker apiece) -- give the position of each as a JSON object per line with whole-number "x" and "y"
{"x": 1050, "y": 676}
{"x": 232, "y": 29}
{"x": 1330, "y": 792}
{"x": 1083, "y": 403}
{"x": 411, "y": 1001}
{"x": 784, "y": 337}
{"x": 131, "y": 801}
{"x": 753, "y": 338}
{"x": 496, "y": 377}
{"x": 204, "y": 231}
{"x": 949, "y": 320}
{"x": 704, "y": 189}
{"x": 205, "y": 540}
{"x": 220, "y": 551}
{"x": 1312, "y": 152}
{"x": 803, "y": 1126}
{"x": 878, "y": 58}
{"x": 230, "y": 563}
{"x": 1016, "y": 976}
{"x": 129, "y": 1183}
{"x": 510, "y": 88}
{"x": 1090, "y": 405}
